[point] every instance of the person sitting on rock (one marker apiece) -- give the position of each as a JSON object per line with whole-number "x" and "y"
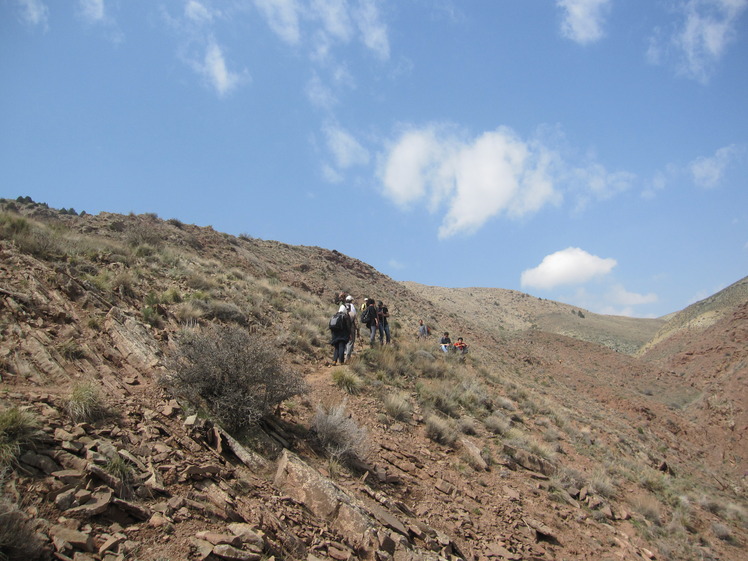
{"x": 445, "y": 343}
{"x": 460, "y": 346}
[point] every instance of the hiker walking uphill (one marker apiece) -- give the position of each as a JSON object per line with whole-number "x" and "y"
{"x": 340, "y": 328}
{"x": 383, "y": 315}
{"x": 354, "y": 326}
{"x": 369, "y": 319}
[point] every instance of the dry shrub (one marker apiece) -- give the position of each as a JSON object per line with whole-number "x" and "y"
{"x": 497, "y": 424}
{"x": 234, "y": 375}
{"x": 649, "y": 507}
{"x": 18, "y": 539}
{"x": 441, "y": 430}
{"x": 347, "y": 380}
{"x": 601, "y": 484}
{"x": 86, "y": 403}
{"x": 340, "y": 435}
{"x": 397, "y": 406}
{"x": 19, "y": 430}
{"x": 466, "y": 425}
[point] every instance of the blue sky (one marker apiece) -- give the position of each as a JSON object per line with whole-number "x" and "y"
{"x": 593, "y": 152}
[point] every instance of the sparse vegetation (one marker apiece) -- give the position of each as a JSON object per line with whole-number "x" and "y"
{"x": 235, "y": 376}
{"x": 18, "y": 539}
{"x": 19, "y": 430}
{"x": 398, "y": 406}
{"x": 340, "y": 435}
{"x": 86, "y": 403}
{"x": 347, "y": 380}
{"x": 441, "y": 430}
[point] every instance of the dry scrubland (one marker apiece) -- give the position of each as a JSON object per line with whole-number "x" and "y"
{"x": 166, "y": 394}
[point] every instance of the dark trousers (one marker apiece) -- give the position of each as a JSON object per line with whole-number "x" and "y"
{"x": 338, "y": 354}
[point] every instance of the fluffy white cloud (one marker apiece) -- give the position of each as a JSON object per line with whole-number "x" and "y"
{"x": 707, "y": 172}
{"x": 705, "y": 30}
{"x": 411, "y": 165}
{"x": 496, "y": 173}
{"x": 283, "y": 18}
{"x": 569, "y": 266}
{"x": 583, "y": 19}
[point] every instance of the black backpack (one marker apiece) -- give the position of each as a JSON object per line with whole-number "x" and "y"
{"x": 340, "y": 321}
{"x": 367, "y": 317}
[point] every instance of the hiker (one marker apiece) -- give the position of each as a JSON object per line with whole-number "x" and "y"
{"x": 369, "y": 318}
{"x": 460, "y": 346}
{"x": 383, "y": 314}
{"x": 423, "y": 329}
{"x": 445, "y": 343}
{"x": 350, "y": 306}
{"x": 340, "y": 328}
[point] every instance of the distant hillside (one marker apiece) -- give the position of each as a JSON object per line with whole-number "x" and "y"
{"x": 502, "y": 312}
{"x": 702, "y": 314}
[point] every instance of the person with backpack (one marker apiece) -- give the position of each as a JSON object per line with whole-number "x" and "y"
{"x": 369, "y": 319}
{"x": 340, "y": 329}
{"x": 354, "y": 326}
{"x": 383, "y": 314}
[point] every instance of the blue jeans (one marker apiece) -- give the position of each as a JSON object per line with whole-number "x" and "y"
{"x": 373, "y": 334}
{"x": 384, "y": 330}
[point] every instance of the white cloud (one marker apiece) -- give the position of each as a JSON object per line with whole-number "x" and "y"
{"x": 373, "y": 31}
{"x": 411, "y": 166}
{"x": 495, "y": 173}
{"x": 335, "y": 18}
{"x": 705, "y": 30}
{"x": 35, "y": 12}
{"x": 707, "y": 172}
{"x": 197, "y": 12}
{"x": 619, "y": 296}
{"x": 583, "y": 19}
{"x": 283, "y": 18}
{"x": 213, "y": 68}
{"x": 593, "y": 181}
{"x": 92, "y": 11}
{"x": 569, "y": 266}
{"x": 346, "y": 150}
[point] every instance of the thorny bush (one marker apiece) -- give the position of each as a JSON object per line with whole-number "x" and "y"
{"x": 232, "y": 374}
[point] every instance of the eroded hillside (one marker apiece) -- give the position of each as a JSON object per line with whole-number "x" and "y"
{"x": 535, "y": 445}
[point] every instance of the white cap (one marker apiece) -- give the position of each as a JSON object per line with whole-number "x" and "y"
{"x": 349, "y": 298}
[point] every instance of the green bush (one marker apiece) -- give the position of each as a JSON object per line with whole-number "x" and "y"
{"x": 236, "y": 376}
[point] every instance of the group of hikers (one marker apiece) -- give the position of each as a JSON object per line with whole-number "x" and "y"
{"x": 345, "y": 325}
{"x": 445, "y": 343}
{"x": 345, "y": 328}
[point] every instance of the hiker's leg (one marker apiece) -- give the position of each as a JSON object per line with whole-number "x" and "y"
{"x": 349, "y": 348}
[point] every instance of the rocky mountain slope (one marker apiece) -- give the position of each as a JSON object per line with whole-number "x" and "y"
{"x": 549, "y": 440}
